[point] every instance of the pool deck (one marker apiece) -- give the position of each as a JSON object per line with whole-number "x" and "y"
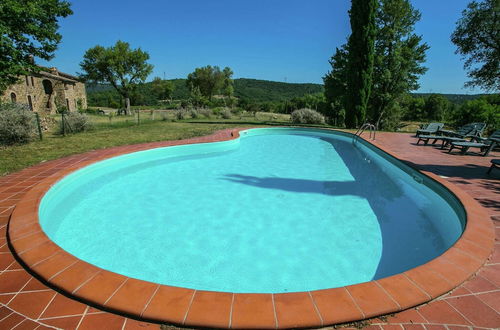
{"x": 26, "y": 303}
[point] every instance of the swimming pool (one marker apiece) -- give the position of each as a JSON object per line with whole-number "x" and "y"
{"x": 278, "y": 210}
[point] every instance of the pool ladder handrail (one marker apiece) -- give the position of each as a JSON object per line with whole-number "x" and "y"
{"x": 371, "y": 128}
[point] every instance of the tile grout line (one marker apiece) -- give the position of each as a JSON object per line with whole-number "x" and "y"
{"x": 487, "y": 280}
{"x": 467, "y": 254}
{"x": 316, "y": 308}
{"x": 29, "y": 291}
{"x": 487, "y": 304}
{"x": 150, "y": 299}
{"x": 355, "y": 303}
{"x": 276, "y": 324}
{"x": 81, "y": 319}
{"x": 62, "y": 270}
{"x": 60, "y": 317}
{"x": 118, "y": 288}
{"x": 124, "y": 323}
{"x": 460, "y": 313}
{"x": 18, "y": 324}
{"x": 422, "y": 315}
{"x": 387, "y": 293}
{"x": 231, "y": 311}
{"x": 35, "y": 247}
{"x": 15, "y": 295}
{"x": 417, "y": 286}
{"x": 28, "y": 234}
{"x": 26, "y": 317}
{"x": 189, "y": 307}
{"x": 7, "y": 316}
{"x": 85, "y": 282}
{"x": 47, "y": 306}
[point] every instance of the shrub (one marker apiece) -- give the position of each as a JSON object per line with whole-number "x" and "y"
{"x": 17, "y": 124}
{"x": 237, "y": 111}
{"x": 226, "y": 114}
{"x": 181, "y": 114}
{"x": 217, "y": 111}
{"x": 194, "y": 113}
{"x": 307, "y": 116}
{"x": 207, "y": 113}
{"x": 75, "y": 122}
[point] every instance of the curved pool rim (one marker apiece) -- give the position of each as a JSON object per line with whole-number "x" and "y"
{"x": 162, "y": 303}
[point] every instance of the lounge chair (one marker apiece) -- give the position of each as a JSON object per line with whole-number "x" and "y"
{"x": 460, "y": 135}
{"x": 485, "y": 145}
{"x": 431, "y": 128}
{"x": 494, "y": 163}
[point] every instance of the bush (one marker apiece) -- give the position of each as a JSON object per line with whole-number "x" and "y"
{"x": 17, "y": 124}
{"x": 217, "y": 111}
{"x": 226, "y": 114}
{"x": 237, "y": 111}
{"x": 484, "y": 109}
{"x": 194, "y": 113}
{"x": 307, "y": 116}
{"x": 75, "y": 122}
{"x": 207, "y": 113}
{"x": 181, "y": 114}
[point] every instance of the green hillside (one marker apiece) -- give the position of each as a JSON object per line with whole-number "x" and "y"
{"x": 250, "y": 89}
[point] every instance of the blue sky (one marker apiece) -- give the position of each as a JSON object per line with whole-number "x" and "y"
{"x": 281, "y": 40}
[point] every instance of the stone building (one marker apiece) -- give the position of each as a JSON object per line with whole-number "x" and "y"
{"x": 45, "y": 91}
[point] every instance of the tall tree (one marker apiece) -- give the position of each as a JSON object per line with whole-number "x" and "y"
{"x": 227, "y": 85}
{"x": 360, "y": 60}
{"x": 335, "y": 85}
{"x": 28, "y": 29}
{"x": 399, "y": 55}
{"x": 209, "y": 79}
{"x": 118, "y": 65}
{"x": 477, "y": 37}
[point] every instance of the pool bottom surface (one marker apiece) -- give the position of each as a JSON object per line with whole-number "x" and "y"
{"x": 317, "y": 214}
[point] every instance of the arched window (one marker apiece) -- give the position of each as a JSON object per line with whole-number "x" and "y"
{"x": 13, "y": 97}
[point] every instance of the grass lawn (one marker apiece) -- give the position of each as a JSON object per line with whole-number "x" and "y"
{"x": 121, "y": 131}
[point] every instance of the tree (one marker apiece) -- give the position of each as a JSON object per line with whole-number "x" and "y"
{"x": 477, "y": 37}
{"x": 210, "y": 80}
{"x": 413, "y": 107}
{"x": 399, "y": 54}
{"x": 485, "y": 109}
{"x": 118, "y": 65}
{"x": 28, "y": 29}
{"x": 162, "y": 89}
{"x": 436, "y": 106}
{"x": 335, "y": 85}
{"x": 360, "y": 60}
{"x": 227, "y": 85}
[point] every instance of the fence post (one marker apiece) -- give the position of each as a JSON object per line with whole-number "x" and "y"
{"x": 63, "y": 124}
{"x": 38, "y": 124}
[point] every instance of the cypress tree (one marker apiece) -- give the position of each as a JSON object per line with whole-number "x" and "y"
{"x": 360, "y": 61}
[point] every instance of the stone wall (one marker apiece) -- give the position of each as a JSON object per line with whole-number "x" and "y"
{"x": 44, "y": 92}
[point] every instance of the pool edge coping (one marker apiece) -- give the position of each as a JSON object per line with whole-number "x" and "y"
{"x": 187, "y": 307}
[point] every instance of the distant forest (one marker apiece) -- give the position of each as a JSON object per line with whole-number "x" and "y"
{"x": 251, "y": 90}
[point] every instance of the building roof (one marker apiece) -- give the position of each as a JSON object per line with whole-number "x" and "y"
{"x": 53, "y": 73}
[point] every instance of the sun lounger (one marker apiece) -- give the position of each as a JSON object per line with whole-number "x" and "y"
{"x": 460, "y": 135}
{"x": 485, "y": 145}
{"x": 431, "y": 128}
{"x": 494, "y": 163}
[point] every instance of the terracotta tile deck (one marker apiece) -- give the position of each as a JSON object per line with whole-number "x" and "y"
{"x": 26, "y": 303}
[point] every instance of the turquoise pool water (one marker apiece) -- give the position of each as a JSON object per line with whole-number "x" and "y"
{"x": 278, "y": 210}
